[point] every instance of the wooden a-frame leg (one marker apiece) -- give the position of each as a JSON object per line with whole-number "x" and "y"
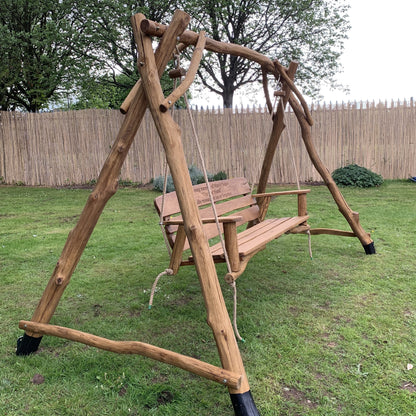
{"x": 217, "y": 315}
{"x": 106, "y": 187}
{"x": 349, "y": 215}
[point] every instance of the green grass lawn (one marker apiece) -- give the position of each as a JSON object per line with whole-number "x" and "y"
{"x": 331, "y": 336}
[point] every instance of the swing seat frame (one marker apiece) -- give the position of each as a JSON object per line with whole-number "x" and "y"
{"x": 148, "y": 93}
{"x": 235, "y": 207}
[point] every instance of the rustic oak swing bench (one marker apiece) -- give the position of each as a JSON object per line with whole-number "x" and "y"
{"x": 235, "y": 206}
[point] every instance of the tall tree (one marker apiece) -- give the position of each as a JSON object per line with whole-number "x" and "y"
{"x": 310, "y": 31}
{"x": 37, "y": 43}
{"x": 113, "y": 58}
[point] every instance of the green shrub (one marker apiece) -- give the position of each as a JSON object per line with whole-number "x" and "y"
{"x": 220, "y": 176}
{"x": 128, "y": 183}
{"x": 354, "y": 175}
{"x": 159, "y": 181}
{"x": 196, "y": 175}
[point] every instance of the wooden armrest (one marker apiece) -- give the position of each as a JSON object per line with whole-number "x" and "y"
{"x": 294, "y": 192}
{"x": 231, "y": 218}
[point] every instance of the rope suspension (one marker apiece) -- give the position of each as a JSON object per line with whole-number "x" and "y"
{"x": 168, "y": 272}
{"x": 211, "y": 197}
{"x": 292, "y": 153}
{"x": 178, "y": 73}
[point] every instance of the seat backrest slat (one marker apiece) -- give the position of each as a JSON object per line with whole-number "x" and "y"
{"x": 231, "y": 196}
{"x": 221, "y": 190}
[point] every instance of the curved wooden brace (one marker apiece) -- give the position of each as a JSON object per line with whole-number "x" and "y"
{"x": 190, "y": 75}
{"x": 191, "y": 38}
{"x": 282, "y": 72}
{"x": 266, "y": 91}
{"x": 349, "y": 215}
{"x": 201, "y": 368}
{"x": 232, "y": 276}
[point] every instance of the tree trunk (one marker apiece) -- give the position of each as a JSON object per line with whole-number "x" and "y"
{"x": 228, "y": 93}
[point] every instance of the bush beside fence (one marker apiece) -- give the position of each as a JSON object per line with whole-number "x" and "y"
{"x": 61, "y": 148}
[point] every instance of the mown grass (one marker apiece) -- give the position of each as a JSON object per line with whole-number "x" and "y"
{"x": 331, "y": 336}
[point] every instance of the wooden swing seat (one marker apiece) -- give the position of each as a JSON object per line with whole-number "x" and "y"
{"x": 235, "y": 208}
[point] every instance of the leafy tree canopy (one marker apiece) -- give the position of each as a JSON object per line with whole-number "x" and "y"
{"x": 309, "y": 31}
{"x": 112, "y": 59}
{"x": 37, "y": 44}
{"x": 86, "y": 49}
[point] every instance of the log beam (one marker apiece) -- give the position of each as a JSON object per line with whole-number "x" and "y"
{"x": 200, "y": 368}
{"x": 278, "y": 127}
{"x": 169, "y": 132}
{"x": 349, "y": 215}
{"x": 106, "y": 187}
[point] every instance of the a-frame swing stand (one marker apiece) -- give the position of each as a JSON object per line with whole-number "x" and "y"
{"x": 148, "y": 94}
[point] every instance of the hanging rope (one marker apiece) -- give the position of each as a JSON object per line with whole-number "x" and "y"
{"x": 168, "y": 272}
{"x": 297, "y": 179}
{"x": 237, "y": 334}
{"x": 211, "y": 197}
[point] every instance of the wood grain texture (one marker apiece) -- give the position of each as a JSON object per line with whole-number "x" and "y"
{"x": 203, "y": 369}
{"x": 170, "y": 135}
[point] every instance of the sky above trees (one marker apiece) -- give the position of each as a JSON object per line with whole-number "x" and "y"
{"x": 379, "y": 60}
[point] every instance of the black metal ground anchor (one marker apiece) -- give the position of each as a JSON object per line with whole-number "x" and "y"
{"x": 27, "y": 345}
{"x": 369, "y": 248}
{"x": 243, "y": 404}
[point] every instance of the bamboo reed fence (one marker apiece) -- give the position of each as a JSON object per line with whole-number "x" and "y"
{"x": 64, "y": 148}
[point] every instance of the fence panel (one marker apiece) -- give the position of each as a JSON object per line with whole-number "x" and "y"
{"x": 54, "y": 149}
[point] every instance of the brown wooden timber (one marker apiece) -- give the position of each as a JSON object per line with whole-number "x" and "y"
{"x": 177, "y": 250}
{"x": 346, "y": 211}
{"x": 169, "y": 132}
{"x": 190, "y": 38}
{"x": 282, "y": 71}
{"x": 231, "y": 245}
{"x": 278, "y": 127}
{"x": 161, "y": 53}
{"x": 266, "y": 91}
{"x": 203, "y": 369}
{"x": 177, "y": 73}
{"x": 302, "y": 205}
{"x": 332, "y": 231}
{"x": 190, "y": 75}
{"x": 106, "y": 187}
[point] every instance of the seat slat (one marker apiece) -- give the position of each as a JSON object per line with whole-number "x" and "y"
{"x": 272, "y": 233}
{"x": 232, "y": 198}
{"x": 223, "y": 208}
{"x": 260, "y": 234}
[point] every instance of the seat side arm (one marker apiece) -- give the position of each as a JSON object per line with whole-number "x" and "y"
{"x": 176, "y": 256}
